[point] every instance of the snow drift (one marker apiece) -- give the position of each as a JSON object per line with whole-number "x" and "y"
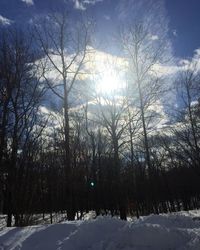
{"x": 155, "y": 232}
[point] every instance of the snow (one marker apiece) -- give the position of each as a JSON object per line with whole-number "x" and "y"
{"x": 179, "y": 231}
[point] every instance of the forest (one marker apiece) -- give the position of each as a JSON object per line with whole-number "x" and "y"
{"x": 83, "y": 129}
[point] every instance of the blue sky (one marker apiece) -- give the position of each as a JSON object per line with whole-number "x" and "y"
{"x": 182, "y": 16}
{"x": 184, "y": 20}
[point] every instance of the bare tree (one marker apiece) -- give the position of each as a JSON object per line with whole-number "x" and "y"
{"x": 110, "y": 116}
{"x": 187, "y": 130}
{"x": 22, "y": 94}
{"x": 65, "y": 46}
{"x": 143, "y": 54}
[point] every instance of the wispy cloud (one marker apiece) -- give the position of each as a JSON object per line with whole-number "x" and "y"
{"x": 28, "y": 2}
{"x": 5, "y": 21}
{"x": 82, "y": 4}
{"x": 79, "y": 5}
{"x": 193, "y": 63}
{"x": 182, "y": 65}
{"x": 174, "y": 33}
{"x": 91, "y": 1}
{"x": 153, "y": 37}
{"x": 107, "y": 17}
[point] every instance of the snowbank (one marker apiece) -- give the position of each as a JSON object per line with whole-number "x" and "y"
{"x": 154, "y": 232}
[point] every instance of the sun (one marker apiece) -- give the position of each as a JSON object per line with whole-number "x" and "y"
{"x": 109, "y": 82}
{"x": 108, "y": 73}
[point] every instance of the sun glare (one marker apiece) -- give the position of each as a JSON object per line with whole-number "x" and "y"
{"x": 109, "y": 83}
{"x": 109, "y": 73}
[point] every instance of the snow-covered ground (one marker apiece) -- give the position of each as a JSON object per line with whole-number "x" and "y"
{"x": 155, "y": 232}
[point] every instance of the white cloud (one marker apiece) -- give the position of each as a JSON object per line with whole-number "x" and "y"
{"x": 174, "y": 33}
{"x": 91, "y": 1}
{"x": 107, "y": 17}
{"x": 182, "y": 65}
{"x": 154, "y": 37}
{"x": 5, "y": 21}
{"x": 197, "y": 52}
{"x": 192, "y": 63}
{"x": 161, "y": 117}
{"x": 184, "y": 62}
{"x": 82, "y": 4}
{"x": 164, "y": 70}
{"x": 78, "y": 5}
{"x": 44, "y": 110}
{"x": 194, "y": 103}
{"x": 28, "y": 2}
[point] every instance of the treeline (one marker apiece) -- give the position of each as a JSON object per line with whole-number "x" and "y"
{"x": 87, "y": 150}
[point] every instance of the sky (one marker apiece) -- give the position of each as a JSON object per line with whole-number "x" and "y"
{"x": 182, "y": 16}
{"x": 184, "y": 22}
